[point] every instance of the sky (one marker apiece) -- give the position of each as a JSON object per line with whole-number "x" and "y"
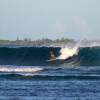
{"x": 36, "y": 19}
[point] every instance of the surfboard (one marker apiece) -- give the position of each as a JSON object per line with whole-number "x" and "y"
{"x": 51, "y": 60}
{"x": 70, "y": 58}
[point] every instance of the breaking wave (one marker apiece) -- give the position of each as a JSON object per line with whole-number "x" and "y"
{"x": 38, "y": 56}
{"x": 67, "y": 52}
{"x": 20, "y": 69}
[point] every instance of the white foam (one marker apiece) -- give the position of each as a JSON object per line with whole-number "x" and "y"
{"x": 68, "y": 52}
{"x": 5, "y": 69}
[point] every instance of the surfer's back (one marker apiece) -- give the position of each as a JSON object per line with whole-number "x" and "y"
{"x": 52, "y": 55}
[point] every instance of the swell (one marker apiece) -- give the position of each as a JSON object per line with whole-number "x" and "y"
{"x": 48, "y": 77}
{"x": 38, "y": 56}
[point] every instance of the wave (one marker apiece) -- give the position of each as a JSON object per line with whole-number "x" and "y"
{"x": 21, "y": 69}
{"x": 38, "y": 56}
{"x": 68, "y": 52}
{"x": 49, "y": 73}
{"x": 15, "y": 76}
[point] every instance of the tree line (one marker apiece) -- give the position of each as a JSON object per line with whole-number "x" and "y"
{"x": 36, "y": 42}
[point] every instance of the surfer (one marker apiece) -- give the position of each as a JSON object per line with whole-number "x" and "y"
{"x": 52, "y": 55}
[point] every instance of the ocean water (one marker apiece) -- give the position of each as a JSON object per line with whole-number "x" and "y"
{"x": 26, "y": 73}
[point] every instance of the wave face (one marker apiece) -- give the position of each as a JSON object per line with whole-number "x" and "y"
{"x": 26, "y": 55}
{"x": 89, "y": 56}
{"x": 38, "y": 56}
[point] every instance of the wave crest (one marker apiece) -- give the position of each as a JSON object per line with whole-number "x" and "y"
{"x": 35, "y": 69}
{"x": 68, "y": 52}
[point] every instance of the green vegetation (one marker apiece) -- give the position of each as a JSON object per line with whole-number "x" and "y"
{"x": 29, "y": 42}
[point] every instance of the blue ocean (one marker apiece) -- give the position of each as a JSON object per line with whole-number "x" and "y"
{"x": 29, "y": 73}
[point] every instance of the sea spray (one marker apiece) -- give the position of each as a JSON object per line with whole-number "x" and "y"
{"x": 68, "y": 52}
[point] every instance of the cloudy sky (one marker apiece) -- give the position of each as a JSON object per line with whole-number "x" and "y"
{"x": 35, "y": 19}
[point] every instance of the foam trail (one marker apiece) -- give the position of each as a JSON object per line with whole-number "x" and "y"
{"x": 68, "y": 52}
{"x": 20, "y": 69}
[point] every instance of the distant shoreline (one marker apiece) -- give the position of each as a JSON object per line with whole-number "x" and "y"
{"x": 29, "y": 42}
{"x": 45, "y": 42}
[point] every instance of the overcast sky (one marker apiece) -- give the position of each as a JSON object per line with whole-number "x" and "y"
{"x": 35, "y": 19}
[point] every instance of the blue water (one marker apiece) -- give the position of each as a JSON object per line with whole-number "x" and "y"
{"x": 52, "y": 84}
{"x": 29, "y": 77}
{"x": 50, "y": 90}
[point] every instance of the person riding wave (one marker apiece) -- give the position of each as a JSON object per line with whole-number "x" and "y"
{"x": 52, "y": 55}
